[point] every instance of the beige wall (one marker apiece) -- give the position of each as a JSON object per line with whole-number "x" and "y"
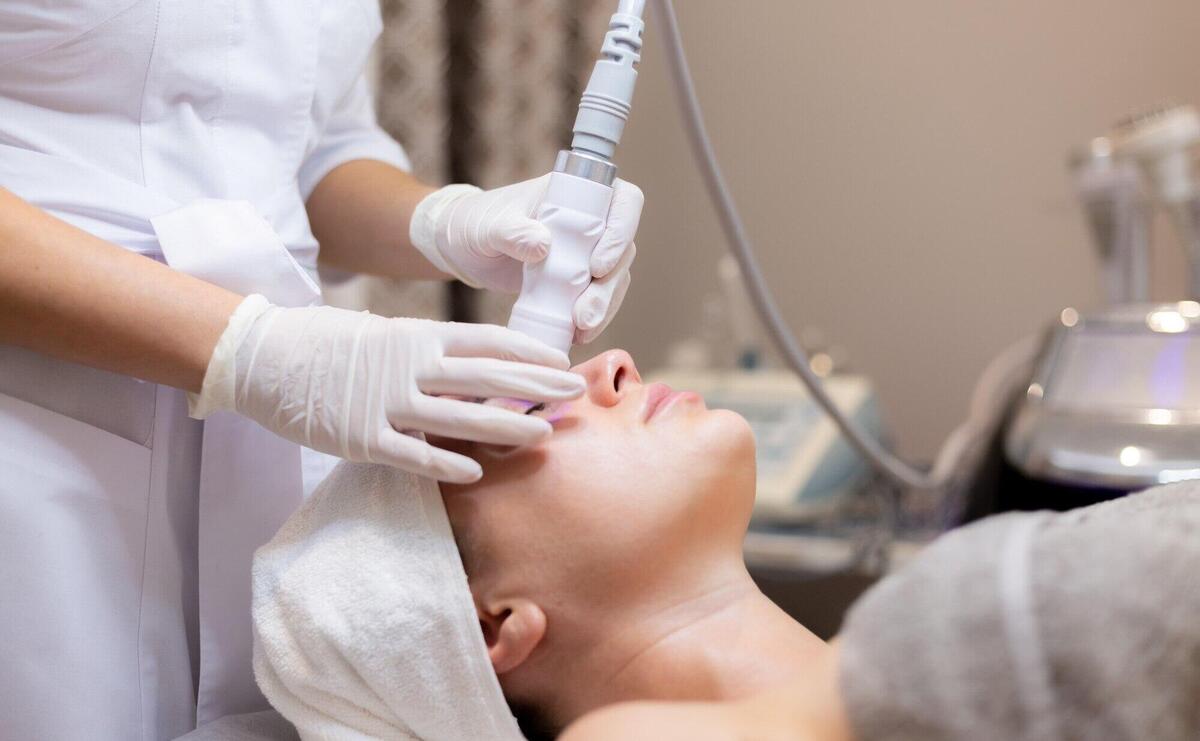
{"x": 901, "y": 167}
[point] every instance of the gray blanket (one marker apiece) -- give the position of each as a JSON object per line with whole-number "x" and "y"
{"x": 1083, "y": 625}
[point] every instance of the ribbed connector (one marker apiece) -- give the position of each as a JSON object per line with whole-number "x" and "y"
{"x": 606, "y": 102}
{"x": 623, "y": 42}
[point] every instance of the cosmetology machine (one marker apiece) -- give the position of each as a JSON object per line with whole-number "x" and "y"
{"x": 1114, "y": 403}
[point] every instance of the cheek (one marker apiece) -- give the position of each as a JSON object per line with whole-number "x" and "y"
{"x": 711, "y": 446}
{"x": 603, "y": 464}
{"x": 607, "y": 487}
{"x": 604, "y": 494}
{"x": 648, "y": 472}
{"x": 572, "y": 476}
{"x": 717, "y": 473}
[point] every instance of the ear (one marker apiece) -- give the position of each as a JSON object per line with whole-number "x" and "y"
{"x": 512, "y": 629}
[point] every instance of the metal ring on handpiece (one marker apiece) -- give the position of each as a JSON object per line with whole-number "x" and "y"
{"x": 586, "y": 166}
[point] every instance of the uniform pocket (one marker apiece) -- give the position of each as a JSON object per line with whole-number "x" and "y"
{"x": 117, "y": 404}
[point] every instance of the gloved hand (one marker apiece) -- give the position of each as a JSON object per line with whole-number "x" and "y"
{"x": 484, "y": 237}
{"x": 357, "y": 385}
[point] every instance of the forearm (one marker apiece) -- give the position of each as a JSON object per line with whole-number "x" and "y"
{"x": 360, "y": 213}
{"x": 71, "y": 295}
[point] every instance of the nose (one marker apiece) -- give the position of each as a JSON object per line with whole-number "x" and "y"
{"x": 608, "y": 377}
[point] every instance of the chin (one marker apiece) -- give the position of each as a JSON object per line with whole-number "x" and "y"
{"x": 736, "y": 432}
{"x": 728, "y": 470}
{"x": 725, "y": 440}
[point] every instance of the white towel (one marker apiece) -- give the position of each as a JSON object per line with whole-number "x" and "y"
{"x": 364, "y": 627}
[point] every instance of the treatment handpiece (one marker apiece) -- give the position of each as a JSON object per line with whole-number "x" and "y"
{"x": 575, "y": 207}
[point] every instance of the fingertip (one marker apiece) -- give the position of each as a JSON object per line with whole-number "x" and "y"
{"x": 630, "y": 192}
{"x": 535, "y": 247}
{"x": 523, "y": 239}
{"x": 534, "y": 253}
{"x": 451, "y": 468}
{"x": 509, "y": 344}
{"x": 545, "y": 430}
{"x": 465, "y": 471}
{"x": 589, "y": 312}
{"x": 586, "y": 336}
{"x": 564, "y": 384}
{"x": 526, "y": 430}
{"x": 557, "y": 359}
{"x": 614, "y": 251}
{"x": 539, "y": 353}
{"x": 603, "y": 261}
{"x": 559, "y": 386}
{"x": 576, "y": 387}
{"x": 534, "y": 241}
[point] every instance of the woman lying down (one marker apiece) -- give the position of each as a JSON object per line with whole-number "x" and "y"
{"x": 604, "y": 592}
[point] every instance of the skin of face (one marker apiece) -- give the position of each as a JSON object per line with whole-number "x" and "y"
{"x": 639, "y": 497}
{"x": 628, "y": 478}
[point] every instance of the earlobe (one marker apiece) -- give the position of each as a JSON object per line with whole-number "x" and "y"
{"x": 512, "y": 630}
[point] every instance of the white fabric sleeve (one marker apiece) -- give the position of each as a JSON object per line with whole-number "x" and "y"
{"x": 351, "y": 133}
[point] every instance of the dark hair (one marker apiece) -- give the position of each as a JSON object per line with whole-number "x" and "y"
{"x": 533, "y": 722}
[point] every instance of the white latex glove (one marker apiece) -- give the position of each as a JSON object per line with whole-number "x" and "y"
{"x": 484, "y": 237}
{"x": 360, "y": 386}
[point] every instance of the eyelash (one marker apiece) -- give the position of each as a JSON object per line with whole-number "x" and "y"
{"x": 536, "y": 408}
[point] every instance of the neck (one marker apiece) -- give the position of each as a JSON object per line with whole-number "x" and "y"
{"x": 724, "y": 642}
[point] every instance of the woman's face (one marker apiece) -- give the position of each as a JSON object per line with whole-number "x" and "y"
{"x": 634, "y": 474}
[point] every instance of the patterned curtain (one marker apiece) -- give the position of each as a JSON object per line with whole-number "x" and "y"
{"x": 483, "y": 92}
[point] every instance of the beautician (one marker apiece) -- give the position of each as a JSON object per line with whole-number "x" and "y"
{"x": 167, "y": 171}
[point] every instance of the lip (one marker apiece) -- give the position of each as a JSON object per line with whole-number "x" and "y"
{"x": 656, "y": 395}
{"x": 660, "y": 397}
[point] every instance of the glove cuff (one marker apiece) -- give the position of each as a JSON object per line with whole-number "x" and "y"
{"x": 428, "y": 221}
{"x": 220, "y": 378}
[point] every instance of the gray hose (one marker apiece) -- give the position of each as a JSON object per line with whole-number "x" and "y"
{"x": 885, "y": 462}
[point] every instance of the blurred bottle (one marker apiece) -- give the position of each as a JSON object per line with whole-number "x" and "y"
{"x": 1163, "y": 143}
{"x": 1118, "y": 214}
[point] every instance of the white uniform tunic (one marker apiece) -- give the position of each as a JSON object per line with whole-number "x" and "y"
{"x": 190, "y": 131}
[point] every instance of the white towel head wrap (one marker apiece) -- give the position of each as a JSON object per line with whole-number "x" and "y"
{"x": 364, "y": 627}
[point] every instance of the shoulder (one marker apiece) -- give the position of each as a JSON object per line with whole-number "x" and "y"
{"x": 652, "y": 721}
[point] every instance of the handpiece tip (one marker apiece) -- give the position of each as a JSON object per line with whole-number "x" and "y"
{"x": 632, "y": 7}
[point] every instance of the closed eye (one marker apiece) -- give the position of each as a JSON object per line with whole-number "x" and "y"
{"x": 516, "y": 405}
